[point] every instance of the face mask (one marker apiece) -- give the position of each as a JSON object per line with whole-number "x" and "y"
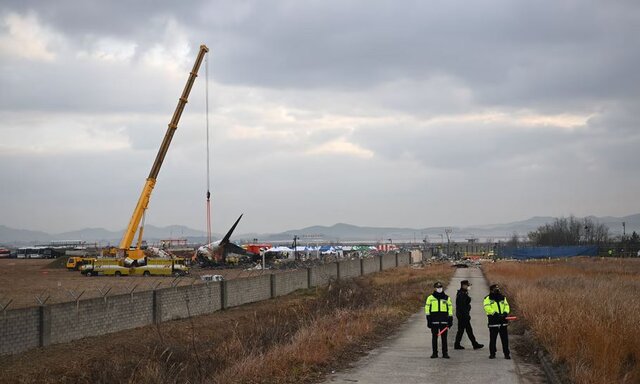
{"x": 439, "y": 290}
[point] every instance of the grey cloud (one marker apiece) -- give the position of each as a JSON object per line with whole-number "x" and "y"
{"x": 519, "y": 54}
{"x": 382, "y": 69}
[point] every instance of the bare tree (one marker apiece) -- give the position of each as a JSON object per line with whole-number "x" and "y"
{"x": 514, "y": 241}
{"x": 570, "y": 231}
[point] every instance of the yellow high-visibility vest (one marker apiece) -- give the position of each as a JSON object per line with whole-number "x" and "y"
{"x": 491, "y": 307}
{"x": 433, "y": 305}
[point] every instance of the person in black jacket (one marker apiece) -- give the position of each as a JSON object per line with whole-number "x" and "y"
{"x": 463, "y": 313}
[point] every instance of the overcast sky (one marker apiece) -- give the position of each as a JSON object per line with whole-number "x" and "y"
{"x": 380, "y": 113}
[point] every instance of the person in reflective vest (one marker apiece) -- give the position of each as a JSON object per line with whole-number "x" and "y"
{"x": 497, "y": 309}
{"x": 439, "y": 313}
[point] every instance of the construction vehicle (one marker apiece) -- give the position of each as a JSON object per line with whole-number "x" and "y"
{"x": 162, "y": 267}
{"x": 134, "y": 255}
{"x": 116, "y": 267}
{"x": 75, "y": 262}
{"x": 105, "y": 266}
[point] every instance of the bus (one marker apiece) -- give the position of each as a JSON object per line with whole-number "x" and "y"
{"x": 37, "y": 252}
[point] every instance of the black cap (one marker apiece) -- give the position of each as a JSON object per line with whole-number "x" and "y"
{"x": 465, "y": 282}
{"x": 437, "y": 285}
{"x": 493, "y": 286}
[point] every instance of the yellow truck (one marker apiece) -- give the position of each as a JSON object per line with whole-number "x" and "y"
{"x": 75, "y": 262}
{"x": 161, "y": 267}
{"x": 105, "y": 266}
{"x": 150, "y": 267}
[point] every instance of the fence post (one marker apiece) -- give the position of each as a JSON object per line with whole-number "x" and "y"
{"x": 361, "y": 267}
{"x": 155, "y": 309}
{"x": 223, "y": 295}
{"x": 397, "y": 264}
{"x": 273, "y": 285}
{"x": 44, "y": 326}
{"x": 380, "y": 262}
{"x": 338, "y": 270}
{"x": 309, "y": 272}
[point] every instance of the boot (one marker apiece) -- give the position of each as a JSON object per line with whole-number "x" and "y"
{"x": 478, "y": 346}
{"x": 434, "y": 355}
{"x": 445, "y": 356}
{"x": 458, "y": 346}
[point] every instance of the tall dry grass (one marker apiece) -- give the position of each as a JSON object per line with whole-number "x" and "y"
{"x": 293, "y": 339}
{"x": 585, "y": 312}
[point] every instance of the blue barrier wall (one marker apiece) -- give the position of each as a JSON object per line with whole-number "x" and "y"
{"x": 549, "y": 252}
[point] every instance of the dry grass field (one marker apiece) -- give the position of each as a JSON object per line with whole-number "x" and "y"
{"x": 290, "y": 339}
{"x": 585, "y": 312}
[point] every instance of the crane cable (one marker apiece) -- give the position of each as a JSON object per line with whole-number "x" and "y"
{"x": 206, "y": 70}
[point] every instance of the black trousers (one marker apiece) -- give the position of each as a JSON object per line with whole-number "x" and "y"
{"x": 464, "y": 324}
{"x": 434, "y": 338}
{"x": 504, "y": 339}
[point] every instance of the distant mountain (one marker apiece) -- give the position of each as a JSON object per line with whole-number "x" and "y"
{"x": 346, "y": 232}
{"x": 89, "y": 234}
{"x": 100, "y": 235}
{"x": 12, "y": 235}
{"x": 336, "y": 232}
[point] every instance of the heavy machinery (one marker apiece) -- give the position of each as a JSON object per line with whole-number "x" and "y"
{"x": 134, "y": 255}
{"x": 116, "y": 267}
{"x": 75, "y": 262}
{"x": 162, "y": 267}
{"x": 104, "y": 266}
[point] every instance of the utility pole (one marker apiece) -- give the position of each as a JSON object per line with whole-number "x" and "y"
{"x": 624, "y": 229}
{"x": 295, "y": 247}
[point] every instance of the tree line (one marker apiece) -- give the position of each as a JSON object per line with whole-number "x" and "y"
{"x": 570, "y": 231}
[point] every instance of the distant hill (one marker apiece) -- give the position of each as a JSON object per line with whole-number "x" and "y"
{"x": 100, "y": 235}
{"x": 346, "y": 232}
{"x": 336, "y": 232}
{"x": 12, "y": 235}
{"x": 150, "y": 232}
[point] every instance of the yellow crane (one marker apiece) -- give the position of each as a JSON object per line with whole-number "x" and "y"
{"x": 134, "y": 255}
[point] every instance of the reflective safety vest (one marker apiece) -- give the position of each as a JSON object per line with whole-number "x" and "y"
{"x": 492, "y": 307}
{"x": 434, "y": 306}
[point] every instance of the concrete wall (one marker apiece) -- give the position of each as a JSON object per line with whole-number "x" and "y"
{"x": 92, "y": 317}
{"x": 19, "y": 330}
{"x": 180, "y": 302}
{"x": 288, "y": 282}
{"x": 388, "y": 260}
{"x": 349, "y": 268}
{"x": 321, "y": 274}
{"x": 26, "y": 328}
{"x": 404, "y": 259}
{"x": 370, "y": 265}
{"x": 248, "y": 290}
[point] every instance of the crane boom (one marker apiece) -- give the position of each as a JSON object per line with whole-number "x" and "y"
{"x": 143, "y": 202}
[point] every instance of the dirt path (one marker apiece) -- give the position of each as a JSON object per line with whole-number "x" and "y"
{"x": 405, "y": 358}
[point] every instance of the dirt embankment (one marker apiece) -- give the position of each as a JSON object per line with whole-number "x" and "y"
{"x": 292, "y": 339}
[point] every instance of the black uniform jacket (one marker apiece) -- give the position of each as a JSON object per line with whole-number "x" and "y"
{"x": 463, "y": 304}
